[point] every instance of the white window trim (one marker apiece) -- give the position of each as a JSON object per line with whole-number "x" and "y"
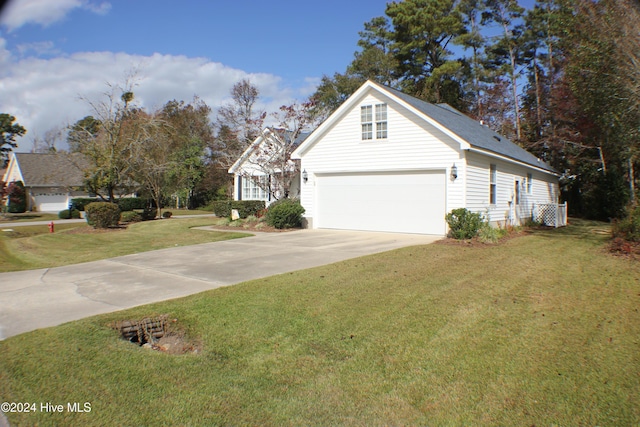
{"x": 493, "y": 184}
{"x": 381, "y": 121}
{"x": 251, "y": 190}
{"x": 366, "y": 122}
{"x": 370, "y": 114}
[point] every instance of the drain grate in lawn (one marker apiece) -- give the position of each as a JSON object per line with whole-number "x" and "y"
{"x": 156, "y": 333}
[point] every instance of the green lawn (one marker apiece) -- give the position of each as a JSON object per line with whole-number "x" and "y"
{"x": 27, "y": 217}
{"x": 541, "y": 330}
{"x": 31, "y": 247}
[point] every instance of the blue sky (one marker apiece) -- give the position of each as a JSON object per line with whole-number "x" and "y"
{"x": 54, "y": 52}
{"x": 291, "y": 39}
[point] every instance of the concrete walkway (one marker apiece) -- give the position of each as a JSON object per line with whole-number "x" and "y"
{"x": 41, "y": 298}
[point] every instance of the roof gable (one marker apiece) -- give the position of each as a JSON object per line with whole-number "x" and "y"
{"x": 266, "y": 133}
{"x": 468, "y": 132}
{"x": 51, "y": 169}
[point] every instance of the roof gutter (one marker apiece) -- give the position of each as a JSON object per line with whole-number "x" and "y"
{"x": 510, "y": 160}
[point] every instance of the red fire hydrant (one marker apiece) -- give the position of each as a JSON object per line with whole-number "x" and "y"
{"x": 51, "y": 227}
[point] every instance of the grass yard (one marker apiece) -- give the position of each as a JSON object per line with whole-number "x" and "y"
{"x": 182, "y": 212}
{"x": 31, "y": 247}
{"x": 540, "y": 330}
{"x": 27, "y": 217}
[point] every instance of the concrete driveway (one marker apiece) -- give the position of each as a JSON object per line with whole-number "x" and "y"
{"x": 41, "y": 298}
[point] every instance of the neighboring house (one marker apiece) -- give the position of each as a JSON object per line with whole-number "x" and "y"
{"x": 258, "y": 171}
{"x": 386, "y": 161}
{"x": 51, "y": 180}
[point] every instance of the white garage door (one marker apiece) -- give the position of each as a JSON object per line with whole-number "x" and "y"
{"x": 51, "y": 202}
{"x": 403, "y": 202}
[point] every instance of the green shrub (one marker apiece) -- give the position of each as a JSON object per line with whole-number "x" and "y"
{"x": 628, "y": 228}
{"x": 247, "y": 207}
{"x": 68, "y": 214}
{"x": 285, "y": 213}
{"x": 130, "y": 216}
{"x": 102, "y": 214}
{"x": 167, "y": 214}
{"x": 149, "y": 213}
{"x": 130, "y": 203}
{"x": 222, "y": 208}
{"x": 463, "y": 224}
{"x": 80, "y": 202}
{"x": 489, "y": 234}
{"x": 17, "y": 198}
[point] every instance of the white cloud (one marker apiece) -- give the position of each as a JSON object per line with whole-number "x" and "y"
{"x": 45, "y": 93}
{"x": 45, "y": 12}
{"x": 39, "y": 48}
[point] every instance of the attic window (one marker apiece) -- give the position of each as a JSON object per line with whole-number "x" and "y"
{"x": 367, "y": 119}
{"x": 381, "y": 121}
{"x": 497, "y": 138}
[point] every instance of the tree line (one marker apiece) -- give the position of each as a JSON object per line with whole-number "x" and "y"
{"x": 561, "y": 79}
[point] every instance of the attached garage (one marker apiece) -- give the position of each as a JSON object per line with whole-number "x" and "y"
{"x": 396, "y": 201}
{"x": 53, "y": 202}
{"x": 387, "y": 161}
{"x": 50, "y": 180}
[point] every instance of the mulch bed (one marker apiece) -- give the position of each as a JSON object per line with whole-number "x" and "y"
{"x": 475, "y": 242}
{"x": 625, "y": 248}
{"x": 264, "y": 229}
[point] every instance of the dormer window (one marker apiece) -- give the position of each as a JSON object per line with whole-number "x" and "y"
{"x": 367, "y": 120}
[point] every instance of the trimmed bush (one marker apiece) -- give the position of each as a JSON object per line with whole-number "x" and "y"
{"x": 80, "y": 202}
{"x": 149, "y": 213}
{"x": 247, "y": 207}
{"x": 285, "y": 213}
{"x": 222, "y": 208}
{"x": 17, "y": 198}
{"x": 463, "y": 224}
{"x": 130, "y": 203}
{"x": 166, "y": 214}
{"x": 68, "y": 214}
{"x": 102, "y": 214}
{"x": 130, "y": 216}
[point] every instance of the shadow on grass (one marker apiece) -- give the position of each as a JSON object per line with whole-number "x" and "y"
{"x": 595, "y": 231}
{"x": 23, "y": 217}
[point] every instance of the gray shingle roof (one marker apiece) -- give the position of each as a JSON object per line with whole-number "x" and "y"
{"x": 52, "y": 169}
{"x": 299, "y": 139}
{"x": 477, "y": 135}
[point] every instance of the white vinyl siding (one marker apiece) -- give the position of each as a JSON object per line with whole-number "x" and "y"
{"x": 544, "y": 189}
{"x": 413, "y": 144}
